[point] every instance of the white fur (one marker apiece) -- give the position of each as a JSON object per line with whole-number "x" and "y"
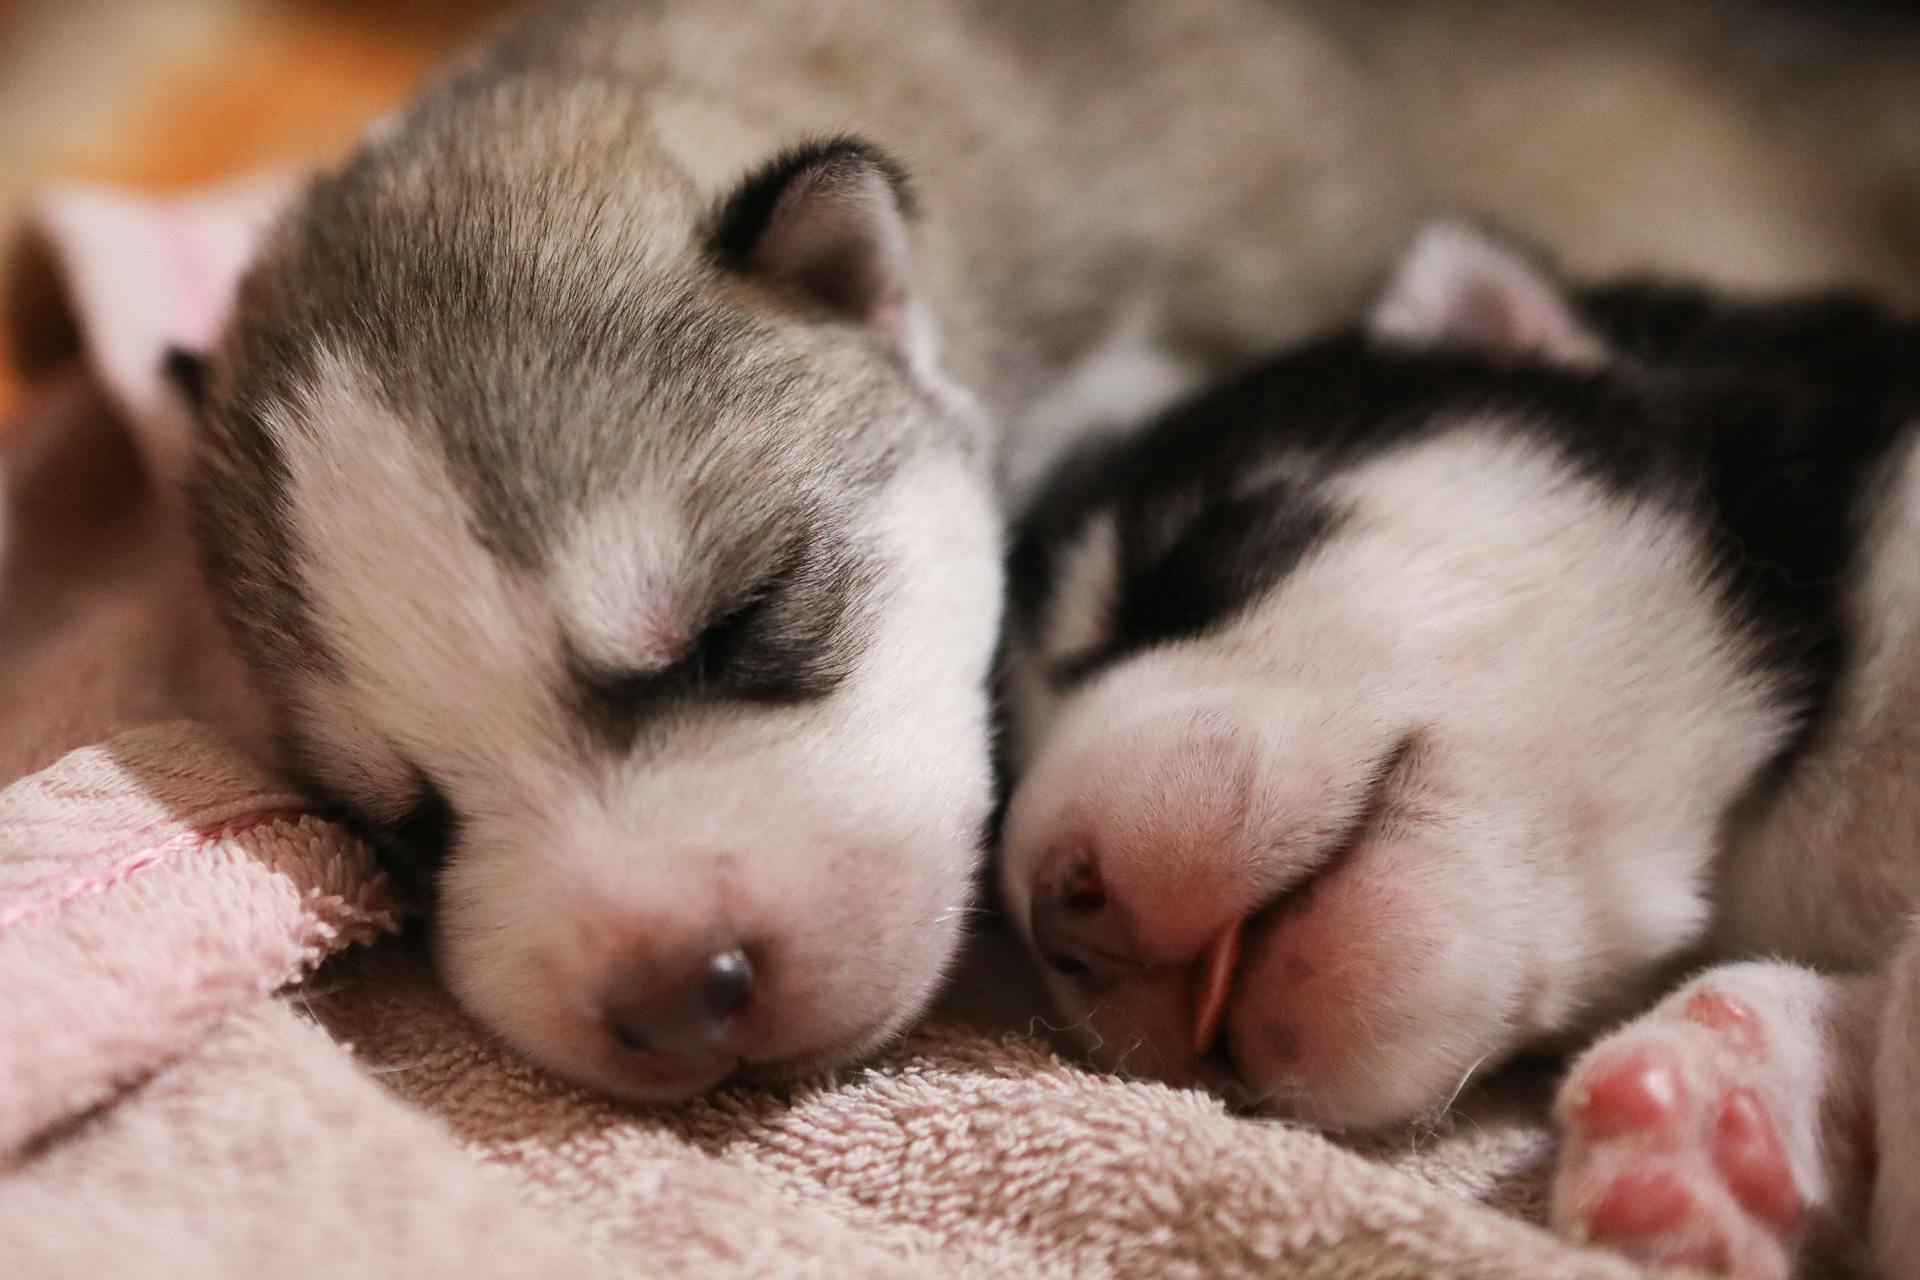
{"x": 1122, "y": 380}
{"x": 836, "y": 837}
{"x": 1475, "y": 574}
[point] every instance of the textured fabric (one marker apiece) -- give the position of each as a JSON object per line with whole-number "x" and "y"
{"x": 363, "y": 1122}
{"x": 149, "y": 887}
{"x": 170, "y": 1105}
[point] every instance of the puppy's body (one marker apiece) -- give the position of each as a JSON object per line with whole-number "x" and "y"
{"x": 1436, "y": 693}
{"x": 599, "y": 469}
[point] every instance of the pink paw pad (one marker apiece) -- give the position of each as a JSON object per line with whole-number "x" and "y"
{"x": 1734, "y": 1019}
{"x": 1636, "y": 1092}
{"x": 1672, "y": 1155}
{"x": 1749, "y": 1156}
{"x": 1653, "y": 1211}
{"x": 1641, "y": 1202}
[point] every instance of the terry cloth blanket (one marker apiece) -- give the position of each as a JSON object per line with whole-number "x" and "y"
{"x": 218, "y": 1059}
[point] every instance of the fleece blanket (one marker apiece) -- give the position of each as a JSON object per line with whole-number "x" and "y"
{"x": 222, "y": 1055}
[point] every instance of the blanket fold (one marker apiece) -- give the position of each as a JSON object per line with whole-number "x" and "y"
{"x": 149, "y": 887}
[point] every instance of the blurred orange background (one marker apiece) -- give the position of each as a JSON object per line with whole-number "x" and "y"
{"x": 164, "y": 93}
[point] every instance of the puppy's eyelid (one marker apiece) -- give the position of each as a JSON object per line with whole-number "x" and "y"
{"x": 728, "y": 623}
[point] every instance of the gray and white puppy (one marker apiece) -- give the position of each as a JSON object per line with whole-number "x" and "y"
{"x": 1437, "y": 691}
{"x": 598, "y": 472}
{"x": 588, "y": 481}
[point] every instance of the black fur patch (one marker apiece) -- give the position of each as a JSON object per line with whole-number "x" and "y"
{"x": 1761, "y": 422}
{"x": 1221, "y": 560}
{"x": 744, "y": 217}
{"x": 1190, "y": 557}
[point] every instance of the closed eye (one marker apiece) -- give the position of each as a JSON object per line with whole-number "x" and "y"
{"x": 785, "y": 641}
{"x": 1214, "y": 566}
{"x": 718, "y": 646}
{"x": 616, "y": 698}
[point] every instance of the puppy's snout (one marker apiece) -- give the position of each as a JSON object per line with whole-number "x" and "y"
{"x": 692, "y": 1009}
{"x": 1074, "y": 928}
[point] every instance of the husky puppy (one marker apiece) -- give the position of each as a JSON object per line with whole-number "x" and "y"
{"x": 598, "y": 476}
{"x": 599, "y": 472}
{"x": 1439, "y": 690}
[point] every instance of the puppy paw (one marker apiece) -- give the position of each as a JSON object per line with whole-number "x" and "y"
{"x": 1673, "y": 1142}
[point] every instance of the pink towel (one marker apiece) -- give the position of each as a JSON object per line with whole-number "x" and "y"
{"x": 164, "y": 1112}
{"x": 103, "y": 623}
{"x": 150, "y": 886}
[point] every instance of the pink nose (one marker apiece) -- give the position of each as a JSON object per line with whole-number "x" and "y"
{"x": 1081, "y": 931}
{"x": 1077, "y": 929}
{"x": 692, "y": 1009}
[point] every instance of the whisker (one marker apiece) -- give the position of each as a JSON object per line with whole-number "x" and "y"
{"x": 1461, "y": 1088}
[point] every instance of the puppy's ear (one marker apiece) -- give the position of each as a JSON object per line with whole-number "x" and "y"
{"x": 1459, "y": 287}
{"x": 827, "y": 222}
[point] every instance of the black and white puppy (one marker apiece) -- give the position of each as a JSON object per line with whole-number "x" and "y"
{"x": 1441, "y": 690}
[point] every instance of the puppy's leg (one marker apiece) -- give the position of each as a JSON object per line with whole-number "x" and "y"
{"x": 1895, "y": 1223}
{"x": 1726, "y": 1126}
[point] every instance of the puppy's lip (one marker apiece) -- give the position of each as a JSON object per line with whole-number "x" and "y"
{"x": 1219, "y": 969}
{"x": 650, "y": 1079}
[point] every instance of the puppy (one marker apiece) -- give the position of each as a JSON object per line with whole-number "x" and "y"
{"x": 1440, "y": 690}
{"x": 601, "y": 472}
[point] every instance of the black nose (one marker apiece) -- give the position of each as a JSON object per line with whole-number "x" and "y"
{"x": 691, "y": 1010}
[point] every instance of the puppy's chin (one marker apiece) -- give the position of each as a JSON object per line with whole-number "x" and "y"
{"x": 1373, "y": 999}
{"x": 804, "y": 1016}
{"x": 654, "y": 951}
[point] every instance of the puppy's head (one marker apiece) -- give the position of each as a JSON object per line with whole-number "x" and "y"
{"x": 1370, "y": 719}
{"x": 617, "y": 557}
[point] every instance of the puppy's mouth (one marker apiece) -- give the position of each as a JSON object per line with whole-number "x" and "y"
{"x": 1218, "y": 973}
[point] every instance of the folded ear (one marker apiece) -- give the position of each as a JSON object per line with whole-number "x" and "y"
{"x": 828, "y": 222}
{"x": 1459, "y": 287}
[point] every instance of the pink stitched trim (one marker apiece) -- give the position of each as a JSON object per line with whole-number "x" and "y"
{"x": 237, "y": 810}
{"x": 107, "y": 877}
